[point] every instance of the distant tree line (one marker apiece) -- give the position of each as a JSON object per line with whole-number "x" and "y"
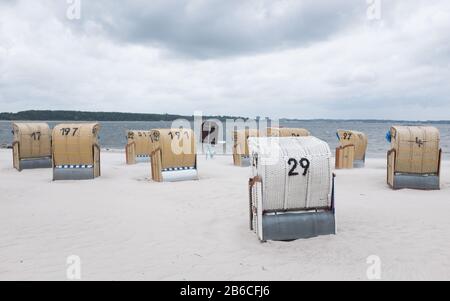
{"x": 46, "y": 115}
{"x": 407, "y": 122}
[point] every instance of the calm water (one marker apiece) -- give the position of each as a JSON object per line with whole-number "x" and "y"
{"x": 113, "y": 134}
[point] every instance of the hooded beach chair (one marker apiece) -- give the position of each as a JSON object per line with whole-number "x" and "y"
{"x": 138, "y": 147}
{"x": 291, "y": 193}
{"x": 352, "y": 149}
{"x": 210, "y": 137}
{"x": 287, "y": 132}
{"x": 173, "y": 155}
{"x": 76, "y": 151}
{"x": 210, "y": 132}
{"x": 241, "y": 156}
{"x": 32, "y": 146}
{"x": 415, "y": 158}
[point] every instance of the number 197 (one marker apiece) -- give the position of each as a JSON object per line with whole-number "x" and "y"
{"x": 69, "y": 131}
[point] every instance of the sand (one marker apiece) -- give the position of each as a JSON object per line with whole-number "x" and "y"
{"x": 125, "y": 227}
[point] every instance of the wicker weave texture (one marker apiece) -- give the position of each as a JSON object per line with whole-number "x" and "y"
{"x": 34, "y": 140}
{"x": 358, "y": 139}
{"x": 73, "y": 144}
{"x": 295, "y": 172}
{"x": 287, "y": 132}
{"x": 417, "y": 149}
{"x": 142, "y": 141}
{"x": 172, "y": 149}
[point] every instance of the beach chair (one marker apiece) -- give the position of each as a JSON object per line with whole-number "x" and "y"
{"x": 287, "y": 132}
{"x": 32, "y": 146}
{"x": 173, "y": 155}
{"x": 210, "y": 138}
{"x": 415, "y": 158}
{"x": 241, "y": 156}
{"x": 291, "y": 193}
{"x": 76, "y": 151}
{"x": 137, "y": 149}
{"x": 345, "y": 157}
{"x": 352, "y": 149}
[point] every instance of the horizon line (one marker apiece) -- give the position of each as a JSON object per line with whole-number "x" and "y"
{"x": 227, "y": 115}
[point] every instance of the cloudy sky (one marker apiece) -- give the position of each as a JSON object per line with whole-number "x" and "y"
{"x": 278, "y": 58}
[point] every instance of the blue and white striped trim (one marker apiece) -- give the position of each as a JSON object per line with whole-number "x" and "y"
{"x": 179, "y": 168}
{"x": 74, "y": 166}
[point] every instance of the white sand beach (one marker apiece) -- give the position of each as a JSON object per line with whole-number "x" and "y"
{"x": 123, "y": 226}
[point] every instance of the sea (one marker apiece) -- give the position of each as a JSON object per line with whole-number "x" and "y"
{"x": 113, "y": 133}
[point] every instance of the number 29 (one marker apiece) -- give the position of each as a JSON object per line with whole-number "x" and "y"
{"x": 293, "y": 163}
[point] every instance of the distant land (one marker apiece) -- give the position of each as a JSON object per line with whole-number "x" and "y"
{"x": 370, "y": 120}
{"x": 48, "y": 115}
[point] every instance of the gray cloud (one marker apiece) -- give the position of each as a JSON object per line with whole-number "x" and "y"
{"x": 298, "y": 59}
{"x": 213, "y": 28}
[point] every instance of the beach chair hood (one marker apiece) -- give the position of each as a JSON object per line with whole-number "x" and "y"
{"x": 35, "y": 139}
{"x": 414, "y": 161}
{"x": 73, "y": 143}
{"x": 31, "y": 146}
{"x": 173, "y": 155}
{"x": 287, "y": 132}
{"x": 417, "y": 149}
{"x": 76, "y": 151}
{"x": 358, "y": 139}
{"x": 142, "y": 141}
